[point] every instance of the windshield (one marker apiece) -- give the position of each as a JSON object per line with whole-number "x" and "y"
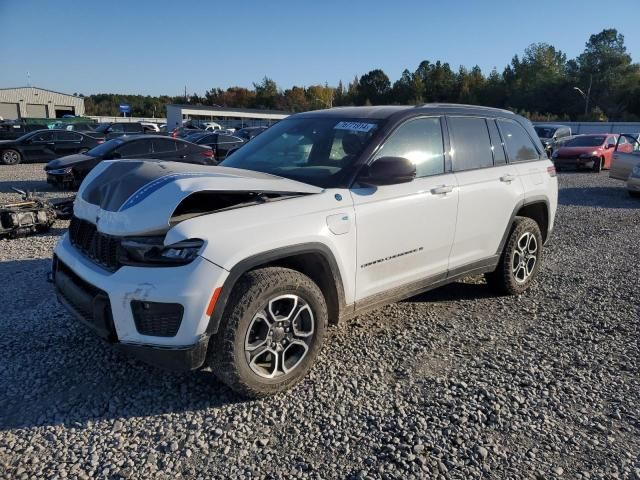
{"x": 586, "y": 141}
{"x": 105, "y": 147}
{"x": 318, "y": 151}
{"x": 545, "y": 132}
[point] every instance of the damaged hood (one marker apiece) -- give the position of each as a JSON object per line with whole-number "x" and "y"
{"x": 134, "y": 197}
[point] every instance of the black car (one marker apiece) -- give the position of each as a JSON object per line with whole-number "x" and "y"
{"x": 45, "y": 145}
{"x": 10, "y": 130}
{"x": 248, "y": 133}
{"x": 221, "y": 144}
{"x": 119, "y": 129}
{"x": 69, "y": 171}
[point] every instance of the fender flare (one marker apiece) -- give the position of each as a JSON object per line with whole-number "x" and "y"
{"x": 528, "y": 201}
{"x": 267, "y": 257}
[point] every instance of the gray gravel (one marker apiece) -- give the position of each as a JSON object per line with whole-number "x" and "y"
{"x": 455, "y": 383}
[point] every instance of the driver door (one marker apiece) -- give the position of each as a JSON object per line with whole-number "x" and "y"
{"x": 405, "y": 232}
{"x": 40, "y": 147}
{"x": 625, "y": 156}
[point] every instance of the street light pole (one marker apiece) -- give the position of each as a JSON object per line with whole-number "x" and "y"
{"x": 586, "y": 96}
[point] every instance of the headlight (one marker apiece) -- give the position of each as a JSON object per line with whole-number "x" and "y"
{"x": 60, "y": 171}
{"x": 152, "y": 251}
{"x": 636, "y": 171}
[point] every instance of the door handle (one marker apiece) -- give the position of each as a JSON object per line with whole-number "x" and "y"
{"x": 444, "y": 189}
{"x": 508, "y": 178}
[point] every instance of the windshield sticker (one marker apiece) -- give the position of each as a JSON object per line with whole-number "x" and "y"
{"x": 355, "y": 126}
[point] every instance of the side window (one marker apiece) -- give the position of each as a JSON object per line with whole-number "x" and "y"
{"x": 499, "y": 158}
{"x": 42, "y": 137}
{"x": 68, "y": 136}
{"x": 471, "y": 143}
{"x": 163, "y": 145}
{"x": 420, "y": 141}
{"x": 117, "y": 128}
{"x": 519, "y": 146}
{"x": 131, "y": 149}
{"x": 611, "y": 140}
{"x": 133, "y": 127}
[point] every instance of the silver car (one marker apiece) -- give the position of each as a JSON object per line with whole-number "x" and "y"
{"x": 626, "y": 156}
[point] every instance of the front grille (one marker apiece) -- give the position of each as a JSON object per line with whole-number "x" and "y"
{"x": 102, "y": 249}
{"x": 157, "y": 319}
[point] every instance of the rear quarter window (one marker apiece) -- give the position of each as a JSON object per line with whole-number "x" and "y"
{"x": 518, "y": 144}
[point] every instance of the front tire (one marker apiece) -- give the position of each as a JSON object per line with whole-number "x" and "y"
{"x": 598, "y": 164}
{"x": 11, "y": 157}
{"x": 520, "y": 259}
{"x": 271, "y": 333}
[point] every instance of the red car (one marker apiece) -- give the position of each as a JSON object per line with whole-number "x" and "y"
{"x": 586, "y": 151}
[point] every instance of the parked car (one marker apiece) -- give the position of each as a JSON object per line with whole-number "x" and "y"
{"x": 10, "y": 130}
{"x": 322, "y": 217}
{"x": 626, "y": 156}
{"x": 71, "y": 170}
{"x": 118, "y": 129}
{"x": 182, "y": 132}
{"x": 45, "y": 145}
{"x": 586, "y": 151}
{"x": 150, "y": 127}
{"x": 550, "y": 134}
{"x": 211, "y": 126}
{"x": 220, "y": 143}
{"x": 248, "y": 133}
{"x": 633, "y": 182}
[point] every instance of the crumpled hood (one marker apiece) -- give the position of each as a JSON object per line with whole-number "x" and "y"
{"x": 134, "y": 197}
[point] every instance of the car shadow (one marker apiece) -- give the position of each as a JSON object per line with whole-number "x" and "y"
{"x": 454, "y": 291}
{"x": 7, "y": 186}
{"x": 606, "y": 197}
{"x": 54, "y": 370}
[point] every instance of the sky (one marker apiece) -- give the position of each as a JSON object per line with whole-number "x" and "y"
{"x": 160, "y": 47}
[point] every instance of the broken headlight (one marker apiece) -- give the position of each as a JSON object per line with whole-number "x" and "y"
{"x": 152, "y": 251}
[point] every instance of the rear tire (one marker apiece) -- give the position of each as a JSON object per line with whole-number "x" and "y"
{"x": 520, "y": 259}
{"x": 271, "y": 333}
{"x": 11, "y": 157}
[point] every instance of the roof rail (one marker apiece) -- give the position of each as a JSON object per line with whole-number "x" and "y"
{"x": 462, "y": 105}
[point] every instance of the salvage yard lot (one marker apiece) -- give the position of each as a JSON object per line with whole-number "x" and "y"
{"x": 455, "y": 382}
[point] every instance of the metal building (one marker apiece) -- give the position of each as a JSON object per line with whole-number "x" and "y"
{"x": 32, "y": 102}
{"x": 227, "y": 117}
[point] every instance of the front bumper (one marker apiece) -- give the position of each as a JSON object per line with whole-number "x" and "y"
{"x": 103, "y": 300}
{"x": 59, "y": 178}
{"x": 575, "y": 162}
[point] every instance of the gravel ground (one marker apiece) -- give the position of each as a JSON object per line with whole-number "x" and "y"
{"x": 455, "y": 383}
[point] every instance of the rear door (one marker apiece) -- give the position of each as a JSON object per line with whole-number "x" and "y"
{"x": 405, "y": 231}
{"x": 164, "y": 148}
{"x": 135, "y": 149}
{"x": 67, "y": 143}
{"x": 489, "y": 188}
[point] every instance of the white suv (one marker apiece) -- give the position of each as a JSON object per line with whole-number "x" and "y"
{"x": 241, "y": 267}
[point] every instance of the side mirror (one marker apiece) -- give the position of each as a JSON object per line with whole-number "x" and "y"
{"x": 388, "y": 171}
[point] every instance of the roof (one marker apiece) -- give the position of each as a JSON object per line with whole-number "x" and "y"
{"x": 385, "y": 111}
{"x": 43, "y": 89}
{"x": 551, "y": 125}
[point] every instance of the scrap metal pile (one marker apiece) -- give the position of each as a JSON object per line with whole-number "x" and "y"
{"x": 32, "y": 214}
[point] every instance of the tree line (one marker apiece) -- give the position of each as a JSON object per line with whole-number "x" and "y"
{"x": 602, "y": 83}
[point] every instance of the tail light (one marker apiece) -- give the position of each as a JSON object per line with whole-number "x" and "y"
{"x": 207, "y": 153}
{"x": 551, "y": 171}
